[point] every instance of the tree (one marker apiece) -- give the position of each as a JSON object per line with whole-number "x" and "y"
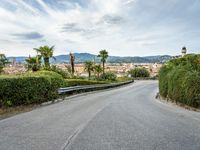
{"x": 3, "y": 62}
{"x": 104, "y": 55}
{"x": 98, "y": 69}
{"x": 72, "y": 60}
{"x": 89, "y": 68}
{"x": 139, "y": 72}
{"x": 46, "y": 52}
{"x": 34, "y": 63}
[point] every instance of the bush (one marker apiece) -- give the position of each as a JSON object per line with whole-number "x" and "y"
{"x": 175, "y": 86}
{"x": 33, "y": 63}
{"x": 3, "y": 62}
{"x": 75, "y": 82}
{"x": 163, "y": 81}
{"x": 179, "y": 80}
{"x": 60, "y": 71}
{"x": 30, "y": 88}
{"x": 139, "y": 72}
{"x": 109, "y": 76}
{"x": 191, "y": 87}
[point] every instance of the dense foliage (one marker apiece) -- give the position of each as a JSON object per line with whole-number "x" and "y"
{"x": 3, "y": 62}
{"x": 89, "y": 68}
{"x": 64, "y": 73}
{"x": 109, "y": 76}
{"x": 139, "y": 72}
{"x": 33, "y": 63}
{"x": 46, "y": 53}
{"x": 97, "y": 70}
{"x": 179, "y": 80}
{"x": 30, "y": 88}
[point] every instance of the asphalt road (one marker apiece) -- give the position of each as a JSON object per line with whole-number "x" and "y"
{"x": 126, "y": 118}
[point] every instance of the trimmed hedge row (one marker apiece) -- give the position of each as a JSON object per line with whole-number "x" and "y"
{"x": 36, "y": 87}
{"x": 30, "y": 88}
{"x": 76, "y": 82}
{"x": 179, "y": 80}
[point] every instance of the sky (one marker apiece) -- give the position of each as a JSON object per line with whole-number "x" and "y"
{"x": 123, "y": 27}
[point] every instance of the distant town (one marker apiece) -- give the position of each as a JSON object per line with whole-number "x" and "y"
{"x": 120, "y": 69}
{"x": 118, "y": 65}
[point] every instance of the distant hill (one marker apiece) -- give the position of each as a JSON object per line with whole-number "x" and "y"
{"x": 18, "y": 59}
{"x": 82, "y": 57}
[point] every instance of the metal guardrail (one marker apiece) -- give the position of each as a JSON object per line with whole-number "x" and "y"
{"x": 63, "y": 91}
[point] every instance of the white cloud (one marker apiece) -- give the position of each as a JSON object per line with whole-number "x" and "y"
{"x": 127, "y": 2}
{"x": 99, "y": 24}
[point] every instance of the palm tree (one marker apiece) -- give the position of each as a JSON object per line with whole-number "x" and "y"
{"x": 98, "y": 69}
{"x": 72, "y": 60}
{"x": 104, "y": 55}
{"x": 46, "y": 52}
{"x": 89, "y": 68}
{"x": 3, "y": 62}
{"x": 34, "y": 63}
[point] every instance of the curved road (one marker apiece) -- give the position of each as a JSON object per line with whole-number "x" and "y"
{"x": 126, "y": 118}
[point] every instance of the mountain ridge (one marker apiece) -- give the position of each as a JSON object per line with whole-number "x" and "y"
{"x": 82, "y": 57}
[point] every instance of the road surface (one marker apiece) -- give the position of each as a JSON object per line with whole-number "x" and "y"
{"x": 125, "y": 118}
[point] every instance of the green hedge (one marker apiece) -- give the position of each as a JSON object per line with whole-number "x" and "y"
{"x": 108, "y": 76}
{"x": 60, "y": 71}
{"x": 124, "y": 79}
{"x": 75, "y": 82}
{"x": 30, "y": 88}
{"x": 179, "y": 80}
{"x": 139, "y": 72}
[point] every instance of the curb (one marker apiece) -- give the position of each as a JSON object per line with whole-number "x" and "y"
{"x": 178, "y": 104}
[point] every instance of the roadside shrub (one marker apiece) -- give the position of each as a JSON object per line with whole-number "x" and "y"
{"x": 175, "y": 85}
{"x": 139, "y": 72}
{"x": 30, "y": 88}
{"x": 109, "y": 76}
{"x": 191, "y": 87}
{"x": 163, "y": 81}
{"x": 179, "y": 80}
{"x": 63, "y": 73}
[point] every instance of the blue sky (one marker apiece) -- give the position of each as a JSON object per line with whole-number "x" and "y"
{"x": 123, "y": 27}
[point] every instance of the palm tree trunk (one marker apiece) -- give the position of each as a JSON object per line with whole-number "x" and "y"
{"x": 103, "y": 67}
{"x": 46, "y": 62}
{"x": 89, "y": 73}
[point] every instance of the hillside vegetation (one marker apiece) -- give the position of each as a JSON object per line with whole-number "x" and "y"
{"x": 179, "y": 80}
